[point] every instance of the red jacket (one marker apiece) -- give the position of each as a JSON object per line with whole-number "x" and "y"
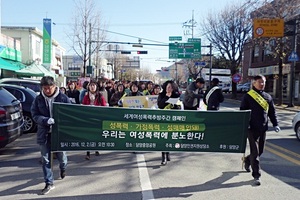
{"x": 86, "y": 100}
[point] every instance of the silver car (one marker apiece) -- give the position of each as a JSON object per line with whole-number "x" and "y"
{"x": 296, "y": 125}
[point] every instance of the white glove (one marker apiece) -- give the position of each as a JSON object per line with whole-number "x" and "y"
{"x": 277, "y": 129}
{"x": 120, "y": 103}
{"x": 50, "y": 121}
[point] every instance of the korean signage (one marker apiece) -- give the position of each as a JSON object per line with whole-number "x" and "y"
{"x": 82, "y": 128}
{"x": 268, "y": 27}
{"x": 11, "y": 54}
{"x": 47, "y": 42}
{"x": 135, "y": 102}
{"x": 175, "y": 38}
{"x": 185, "y": 50}
{"x": 139, "y": 101}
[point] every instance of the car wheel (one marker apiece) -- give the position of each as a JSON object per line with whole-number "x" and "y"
{"x": 297, "y": 130}
{"x": 29, "y": 124}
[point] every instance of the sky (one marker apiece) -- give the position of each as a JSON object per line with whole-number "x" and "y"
{"x": 126, "y": 21}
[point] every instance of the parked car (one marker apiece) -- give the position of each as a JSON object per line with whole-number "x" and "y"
{"x": 296, "y": 125}
{"x": 26, "y": 97}
{"x": 240, "y": 87}
{"x": 245, "y": 87}
{"x": 11, "y": 118}
{"x": 226, "y": 88}
{"x": 29, "y": 83}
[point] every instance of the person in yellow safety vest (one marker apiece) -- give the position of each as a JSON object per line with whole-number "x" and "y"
{"x": 262, "y": 107}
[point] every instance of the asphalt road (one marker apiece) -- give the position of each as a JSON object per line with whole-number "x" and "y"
{"x": 124, "y": 175}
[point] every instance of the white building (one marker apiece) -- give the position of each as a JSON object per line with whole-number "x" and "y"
{"x": 73, "y": 68}
{"x": 31, "y": 46}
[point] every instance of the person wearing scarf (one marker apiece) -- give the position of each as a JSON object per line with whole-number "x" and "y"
{"x": 41, "y": 111}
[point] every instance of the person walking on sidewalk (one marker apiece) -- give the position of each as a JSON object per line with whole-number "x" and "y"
{"x": 213, "y": 96}
{"x": 41, "y": 111}
{"x": 261, "y": 105}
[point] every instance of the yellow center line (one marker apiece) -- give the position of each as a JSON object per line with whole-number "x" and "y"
{"x": 283, "y": 149}
{"x": 284, "y": 156}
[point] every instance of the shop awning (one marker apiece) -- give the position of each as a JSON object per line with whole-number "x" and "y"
{"x": 10, "y": 65}
{"x": 30, "y": 71}
{"x": 36, "y": 70}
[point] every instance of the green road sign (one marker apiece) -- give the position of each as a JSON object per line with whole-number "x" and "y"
{"x": 185, "y": 50}
{"x": 175, "y": 38}
{"x": 194, "y": 39}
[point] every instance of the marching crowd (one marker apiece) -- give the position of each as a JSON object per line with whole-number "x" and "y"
{"x": 110, "y": 93}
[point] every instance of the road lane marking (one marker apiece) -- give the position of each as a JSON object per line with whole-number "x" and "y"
{"x": 144, "y": 178}
{"x": 284, "y": 150}
{"x": 282, "y": 155}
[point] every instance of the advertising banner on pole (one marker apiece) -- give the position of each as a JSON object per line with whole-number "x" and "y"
{"x": 47, "y": 41}
{"x": 82, "y": 128}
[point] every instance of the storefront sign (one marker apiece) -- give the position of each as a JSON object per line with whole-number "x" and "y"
{"x": 82, "y": 128}
{"x": 10, "y": 54}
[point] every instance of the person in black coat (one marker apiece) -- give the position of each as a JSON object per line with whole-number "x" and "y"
{"x": 169, "y": 90}
{"x": 42, "y": 114}
{"x": 262, "y": 107}
{"x": 213, "y": 96}
{"x": 193, "y": 94}
{"x": 134, "y": 90}
{"x": 73, "y": 93}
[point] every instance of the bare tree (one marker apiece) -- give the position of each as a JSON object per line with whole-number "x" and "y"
{"x": 228, "y": 31}
{"x": 86, "y": 35}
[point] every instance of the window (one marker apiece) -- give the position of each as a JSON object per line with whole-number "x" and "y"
{"x": 18, "y": 94}
{"x": 37, "y": 47}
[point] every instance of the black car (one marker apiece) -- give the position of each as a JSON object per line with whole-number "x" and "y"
{"x": 11, "y": 118}
{"x": 28, "y": 83}
{"x": 26, "y": 97}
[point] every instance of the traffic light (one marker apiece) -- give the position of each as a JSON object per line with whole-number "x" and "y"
{"x": 190, "y": 79}
{"x": 142, "y": 52}
{"x": 125, "y": 52}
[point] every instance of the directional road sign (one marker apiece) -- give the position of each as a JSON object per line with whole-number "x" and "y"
{"x": 194, "y": 39}
{"x": 202, "y": 63}
{"x": 175, "y": 38}
{"x": 184, "y": 50}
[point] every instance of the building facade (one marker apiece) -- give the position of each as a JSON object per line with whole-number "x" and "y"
{"x": 31, "y": 46}
{"x": 260, "y": 59}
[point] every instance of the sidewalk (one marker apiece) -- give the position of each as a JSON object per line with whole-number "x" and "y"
{"x": 284, "y": 106}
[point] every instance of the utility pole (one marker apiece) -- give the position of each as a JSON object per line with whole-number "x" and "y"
{"x": 97, "y": 56}
{"x": 90, "y": 45}
{"x": 210, "y": 65}
{"x": 190, "y": 24}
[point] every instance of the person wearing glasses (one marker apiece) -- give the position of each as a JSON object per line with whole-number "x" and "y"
{"x": 41, "y": 110}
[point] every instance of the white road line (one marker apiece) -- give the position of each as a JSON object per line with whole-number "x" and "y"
{"x": 146, "y": 186}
